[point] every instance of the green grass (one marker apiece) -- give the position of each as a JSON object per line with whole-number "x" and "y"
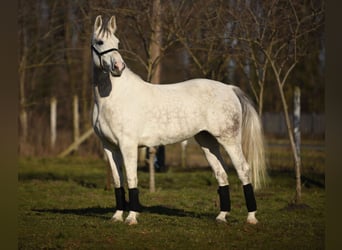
{"x": 63, "y": 205}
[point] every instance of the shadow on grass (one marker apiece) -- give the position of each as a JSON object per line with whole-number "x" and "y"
{"x": 162, "y": 210}
{"x": 102, "y": 212}
{"x": 99, "y": 212}
{"x": 48, "y": 176}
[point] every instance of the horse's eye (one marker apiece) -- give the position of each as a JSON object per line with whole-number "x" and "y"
{"x": 99, "y": 42}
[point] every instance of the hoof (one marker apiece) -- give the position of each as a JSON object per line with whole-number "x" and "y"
{"x": 113, "y": 219}
{"x": 251, "y": 218}
{"x": 131, "y": 222}
{"x": 117, "y": 217}
{"x": 221, "y": 218}
{"x": 252, "y": 221}
{"x": 132, "y": 218}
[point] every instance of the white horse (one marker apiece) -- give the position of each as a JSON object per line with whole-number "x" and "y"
{"x": 130, "y": 113}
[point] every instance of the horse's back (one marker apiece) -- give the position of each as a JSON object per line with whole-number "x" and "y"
{"x": 204, "y": 90}
{"x": 183, "y": 109}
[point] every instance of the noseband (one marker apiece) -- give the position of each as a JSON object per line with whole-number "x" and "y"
{"x": 103, "y": 52}
{"x": 99, "y": 54}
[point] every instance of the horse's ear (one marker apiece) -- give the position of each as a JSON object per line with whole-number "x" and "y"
{"x": 98, "y": 23}
{"x": 112, "y": 24}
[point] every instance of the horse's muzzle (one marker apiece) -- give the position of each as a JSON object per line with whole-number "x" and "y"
{"x": 116, "y": 68}
{"x": 111, "y": 67}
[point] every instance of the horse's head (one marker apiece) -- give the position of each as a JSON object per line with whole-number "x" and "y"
{"x": 105, "y": 47}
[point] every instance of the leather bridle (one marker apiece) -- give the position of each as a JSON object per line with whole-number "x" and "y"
{"x": 99, "y": 54}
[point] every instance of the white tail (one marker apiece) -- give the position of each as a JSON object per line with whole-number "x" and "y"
{"x": 252, "y": 140}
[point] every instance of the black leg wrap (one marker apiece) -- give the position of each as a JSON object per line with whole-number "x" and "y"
{"x": 120, "y": 198}
{"x": 224, "y": 198}
{"x": 250, "y": 198}
{"x": 134, "y": 204}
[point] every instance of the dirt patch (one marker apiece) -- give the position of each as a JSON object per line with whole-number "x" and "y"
{"x": 294, "y": 206}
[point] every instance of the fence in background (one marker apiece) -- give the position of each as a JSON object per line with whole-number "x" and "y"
{"x": 310, "y": 124}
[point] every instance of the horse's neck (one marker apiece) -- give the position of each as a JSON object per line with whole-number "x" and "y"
{"x": 128, "y": 76}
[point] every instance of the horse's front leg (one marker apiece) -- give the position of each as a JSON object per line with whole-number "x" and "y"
{"x": 115, "y": 162}
{"x": 130, "y": 157}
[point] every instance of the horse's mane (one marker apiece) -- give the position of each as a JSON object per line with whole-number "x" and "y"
{"x": 102, "y": 81}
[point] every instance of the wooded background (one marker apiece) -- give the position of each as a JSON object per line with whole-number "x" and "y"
{"x": 261, "y": 46}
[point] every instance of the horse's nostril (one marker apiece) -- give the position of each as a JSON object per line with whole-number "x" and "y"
{"x": 113, "y": 64}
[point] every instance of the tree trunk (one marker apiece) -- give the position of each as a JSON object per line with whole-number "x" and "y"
{"x": 298, "y": 195}
{"x": 261, "y": 99}
{"x": 154, "y": 70}
{"x": 152, "y": 155}
{"x": 86, "y": 80}
{"x": 184, "y": 144}
{"x": 23, "y": 123}
{"x": 155, "y": 45}
{"x": 296, "y": 131}
{"x": 22, "y": 72}
{"x": 23, "y": 113}
{"x": 76, "y": 120}
{"x": 53, "y": 121}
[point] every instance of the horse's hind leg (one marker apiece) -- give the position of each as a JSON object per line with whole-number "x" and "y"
{"x": 211, "y": 149}
{"x": 115, "y": 161}
{"x": 243, "y": 171}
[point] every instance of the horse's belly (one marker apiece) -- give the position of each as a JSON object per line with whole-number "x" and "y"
{"x": 170, "y": 129}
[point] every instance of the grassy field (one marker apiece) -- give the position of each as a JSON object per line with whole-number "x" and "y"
{"x": 63, "y": 204}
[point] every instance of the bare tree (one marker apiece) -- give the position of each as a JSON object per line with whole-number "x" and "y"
{"x": 263, "y": 38}
{"x": 22, "y": 79}
{"x": 201, "y": 28}
{"x": 37, "y": 52}
{"x": 288, "y": 25}
{"x": 250, "y": 25}
{"x": 154, "y": 69}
